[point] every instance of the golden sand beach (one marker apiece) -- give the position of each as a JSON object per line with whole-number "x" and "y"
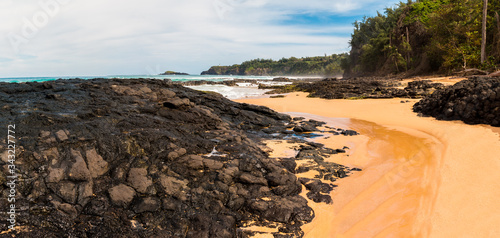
{"x": 421, "y": 177}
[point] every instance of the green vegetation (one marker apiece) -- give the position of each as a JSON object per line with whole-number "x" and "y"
{"x": 425, "y": 36}
{"x": 320, "y": 65}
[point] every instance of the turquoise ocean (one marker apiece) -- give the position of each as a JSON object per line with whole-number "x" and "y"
{"x": 178, "y": 78}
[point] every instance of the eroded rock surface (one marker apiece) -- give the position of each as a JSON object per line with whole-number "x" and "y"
{"x": 135, "y": 158}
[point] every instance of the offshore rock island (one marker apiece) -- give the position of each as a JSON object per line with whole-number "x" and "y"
{"x": 169, "y": 72}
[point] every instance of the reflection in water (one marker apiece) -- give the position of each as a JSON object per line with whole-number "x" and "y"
{"x": 395, "y": 192}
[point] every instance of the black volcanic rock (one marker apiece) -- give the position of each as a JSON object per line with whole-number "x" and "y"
{"x": 130, "y": 158}
{"x": 359, "y": 88}
{"x": 349, "y": 133}
{"x": 474, "y": 101}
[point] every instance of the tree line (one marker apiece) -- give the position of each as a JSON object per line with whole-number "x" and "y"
{"x": 329, "y": 65}
{"x": 426, "y": 36}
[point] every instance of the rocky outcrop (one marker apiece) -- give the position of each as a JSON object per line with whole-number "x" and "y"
{"x": 474, "y": 101}
{"x": 135, "y": 158}
{"x": 359, "y": 88}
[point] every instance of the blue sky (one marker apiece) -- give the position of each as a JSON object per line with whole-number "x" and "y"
{"x": 118, "y": 37}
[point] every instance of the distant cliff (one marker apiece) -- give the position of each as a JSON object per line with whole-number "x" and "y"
{"x": 320, "y": 65}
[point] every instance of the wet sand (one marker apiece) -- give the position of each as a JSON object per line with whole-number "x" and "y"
{"x": 421, "y": 177}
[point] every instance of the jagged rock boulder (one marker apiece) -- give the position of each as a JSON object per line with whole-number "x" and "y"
{"x": 474, "y": 101}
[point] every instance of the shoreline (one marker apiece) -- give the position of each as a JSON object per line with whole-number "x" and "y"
{"x": 444, "y": 192}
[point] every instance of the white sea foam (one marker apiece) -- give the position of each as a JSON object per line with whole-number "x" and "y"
{"x": 273, "y": 83}
{"x": 231, "y": 92}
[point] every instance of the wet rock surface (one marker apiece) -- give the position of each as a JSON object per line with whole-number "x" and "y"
{"x": 474, "y": 101}
{"x": 148, "y": 158}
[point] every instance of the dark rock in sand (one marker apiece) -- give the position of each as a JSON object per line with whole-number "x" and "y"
{"x": 349, "y": 133}
{"x": 304, "y": 128}
{"x": 318, "y": 197}
{"x": 417, "y": 89}
{"x": 327, "y": 171}
{"x": 318, "y": 191}
{"x": 316, "y": 123}
{"x": 474, "y": 101}
{"x": 349, "y": 88}
{"x": 308, "y": 126}
{"x": 360, "y": 88}
{"x": 315, "y": 185}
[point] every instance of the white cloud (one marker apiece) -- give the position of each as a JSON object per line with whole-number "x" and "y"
{"x": 77, "y": 37}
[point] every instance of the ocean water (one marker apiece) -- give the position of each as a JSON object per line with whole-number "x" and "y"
{"x": 243, "y": 90}
{"x": 176, "y": 78}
